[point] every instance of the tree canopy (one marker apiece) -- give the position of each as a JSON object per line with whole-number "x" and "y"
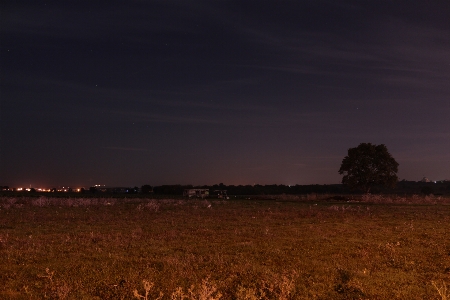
{"x": 369, "y": 165}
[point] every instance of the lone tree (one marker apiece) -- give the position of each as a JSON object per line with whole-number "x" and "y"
{"x": 368, "y": 165}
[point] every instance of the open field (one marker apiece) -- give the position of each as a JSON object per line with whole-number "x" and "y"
{"x": 102, "y": 248}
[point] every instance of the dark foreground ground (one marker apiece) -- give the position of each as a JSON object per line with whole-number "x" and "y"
{"x": 284, "y": 248}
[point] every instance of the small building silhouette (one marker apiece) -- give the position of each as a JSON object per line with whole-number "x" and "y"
{"x": 198, "y": 193}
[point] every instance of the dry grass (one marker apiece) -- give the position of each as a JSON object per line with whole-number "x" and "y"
{"x": 441, "y": 288}
{"x": 55, "y": 248}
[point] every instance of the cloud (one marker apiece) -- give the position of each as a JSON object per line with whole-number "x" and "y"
{"x": 127, "y": 149}
{"x": 167, "y": 118}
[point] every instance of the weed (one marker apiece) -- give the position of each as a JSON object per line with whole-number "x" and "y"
{"x": 248, "y": 293}
{"x": 441, "y": 288}
{"x": 152, "y": 205}
{"x": 206, "y": 291}
{"x": 49, "y": 275}
{"x": 148, "y": 285}
{"x": 54, "y": 288}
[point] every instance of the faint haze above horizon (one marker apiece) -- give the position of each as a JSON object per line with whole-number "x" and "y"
{"x": 204, "y": 92}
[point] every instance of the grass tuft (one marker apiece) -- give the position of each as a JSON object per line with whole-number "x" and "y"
{"x": 441, "y": 288}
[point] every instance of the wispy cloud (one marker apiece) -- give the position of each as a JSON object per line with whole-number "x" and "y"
{"x": 126, "y": 149}
{"x": 166, "y": 118}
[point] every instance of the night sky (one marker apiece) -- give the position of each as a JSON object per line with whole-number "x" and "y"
{"x": 205, "y": 92}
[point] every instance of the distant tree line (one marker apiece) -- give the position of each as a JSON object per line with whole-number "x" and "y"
{"x": 257, "y": 189}
{"x": 402, "y": 187}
